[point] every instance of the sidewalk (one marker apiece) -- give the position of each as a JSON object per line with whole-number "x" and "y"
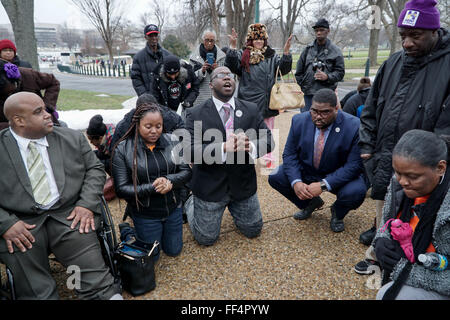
{"x": 290, "y": 260}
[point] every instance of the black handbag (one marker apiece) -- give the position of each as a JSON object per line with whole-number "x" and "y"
{"x": 136, "y": 266}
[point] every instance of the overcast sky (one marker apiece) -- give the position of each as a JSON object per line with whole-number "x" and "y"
{"x": 60, "y": 11}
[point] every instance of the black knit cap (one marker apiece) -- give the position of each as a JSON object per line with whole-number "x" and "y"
{"x": 322, "y": 23}
{"x": 96, "y": 126}
{"x": 171, "y": 64}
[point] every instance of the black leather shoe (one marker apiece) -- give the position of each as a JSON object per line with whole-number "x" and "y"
{"x": 315, "y": 203}
{"x": 367, "y": 236}
{"x": 335, "y": 224}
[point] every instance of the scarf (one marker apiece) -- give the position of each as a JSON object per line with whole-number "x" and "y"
{"x": 423, "y": 233}
{"x": 203, "y": 52}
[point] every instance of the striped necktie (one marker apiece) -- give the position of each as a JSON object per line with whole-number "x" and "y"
{"x": 227, "y": 119}
{"x": 318, "y": 148}
{"x": 38, "y": 177}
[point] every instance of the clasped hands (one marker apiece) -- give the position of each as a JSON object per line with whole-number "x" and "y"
{"x": 235, "y": 143}
{"x": 162, "y": 185}
{"x": 307, "y": 191}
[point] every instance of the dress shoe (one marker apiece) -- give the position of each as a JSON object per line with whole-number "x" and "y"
{"x": 367, "y": 236}
{"x": 315, "y": 203}
{"x": 337, "y": 225}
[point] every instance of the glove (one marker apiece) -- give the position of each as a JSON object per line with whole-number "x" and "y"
{"x": 388, "y": 253}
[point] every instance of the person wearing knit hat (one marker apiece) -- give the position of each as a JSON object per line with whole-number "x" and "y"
{"x": 8, "y": 52}
{"x": 100, "y": 136}
{"x": 257, "y": 64}
{"x": 409, "y": 92}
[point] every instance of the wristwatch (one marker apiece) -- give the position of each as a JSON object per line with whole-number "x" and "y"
{"x": 323, "y": 186}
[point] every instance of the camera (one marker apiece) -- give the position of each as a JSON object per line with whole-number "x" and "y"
{"x": 318, "y": 65}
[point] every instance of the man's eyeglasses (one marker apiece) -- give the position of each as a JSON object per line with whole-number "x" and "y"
{"x": 322, "y": 113}
{"x": 224, "y": 75}
{"x": 210, "y": 40}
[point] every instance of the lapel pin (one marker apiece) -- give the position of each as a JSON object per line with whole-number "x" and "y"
{"x": 238, "y": 113}
{"x": 338, "y": 130}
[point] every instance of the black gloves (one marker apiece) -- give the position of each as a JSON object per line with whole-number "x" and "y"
{"x": 388, "y": 252}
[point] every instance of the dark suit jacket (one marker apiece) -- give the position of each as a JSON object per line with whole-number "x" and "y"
{"x": 212, "y": 181}
{"x": 340, "y": 162}
{"x": 79, "y": 176}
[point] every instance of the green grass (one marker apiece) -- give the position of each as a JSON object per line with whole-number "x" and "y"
{"x": 83, "y": 100}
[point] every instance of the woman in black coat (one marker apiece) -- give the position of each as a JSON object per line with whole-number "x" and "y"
{"x": 149, "y": 177}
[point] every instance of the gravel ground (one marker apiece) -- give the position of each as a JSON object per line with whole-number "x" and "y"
{"x": 290, "y": 260}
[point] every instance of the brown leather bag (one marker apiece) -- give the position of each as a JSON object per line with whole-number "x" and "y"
{"x": 108, "y": 190}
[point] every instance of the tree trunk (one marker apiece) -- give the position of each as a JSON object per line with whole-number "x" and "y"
{"x": 375, "y": 32}
{"x": 239, "y": 17}
{"x": 21, "y": 16}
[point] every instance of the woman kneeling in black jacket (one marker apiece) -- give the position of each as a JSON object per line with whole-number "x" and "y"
{"x": 147, "y": 176}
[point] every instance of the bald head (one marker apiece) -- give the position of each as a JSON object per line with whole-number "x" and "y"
{"x": 27, "y": 116}
{"x": 222, "y": 83}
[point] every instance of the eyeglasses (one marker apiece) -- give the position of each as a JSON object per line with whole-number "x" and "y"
{"x": 210, "y": 40}
{"x": 322, "y": 113}
{"x": 224, "y": 75}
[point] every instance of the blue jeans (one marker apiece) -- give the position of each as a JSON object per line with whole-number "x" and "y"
{"x": 168, "y": 232}
{"x": 205, "y": 218}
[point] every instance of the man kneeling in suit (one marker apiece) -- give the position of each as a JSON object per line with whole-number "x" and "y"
{"x": 50, "y": 186}
{"x": 322, "y": 154}
{"x": 227, "y": 135}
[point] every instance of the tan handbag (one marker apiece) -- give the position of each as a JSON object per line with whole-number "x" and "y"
{"x": 286, "y": 95}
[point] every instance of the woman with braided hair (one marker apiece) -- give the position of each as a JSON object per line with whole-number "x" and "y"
{"x": 149, "y": 177}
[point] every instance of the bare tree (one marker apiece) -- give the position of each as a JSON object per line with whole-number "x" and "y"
{"x": 69, "y": 36}
{"x": 292, "y": 9}
{"x": 158, "y": 14}
{"x": 105, "y": 15}
{"x": 390, "y": 18}
{"x": 21, "y": 16}
{"x": 239, "y": 14}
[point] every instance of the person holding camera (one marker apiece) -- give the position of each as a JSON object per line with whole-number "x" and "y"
{"x": 204, "y": 60}
{"x": 321, "y": 64}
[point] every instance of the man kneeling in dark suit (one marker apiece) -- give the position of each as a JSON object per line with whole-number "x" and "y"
{"x": 227, "y": 135}
{"x": 50, "y": 186}
{"x": 322, "y": 154}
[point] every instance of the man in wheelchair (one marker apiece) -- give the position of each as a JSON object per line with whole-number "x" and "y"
{"x": 50, "y": 190}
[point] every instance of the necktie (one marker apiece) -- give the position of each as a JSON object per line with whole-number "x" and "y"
{"x": 227, "y": 119}
{"x": 38, "y": 177}
{"x": 318, "y": 148}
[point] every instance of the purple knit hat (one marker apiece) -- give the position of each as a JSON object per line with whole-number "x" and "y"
{"x": 420, "y": 14}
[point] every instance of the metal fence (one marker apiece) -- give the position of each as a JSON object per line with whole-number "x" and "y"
{"x": 115, "y": 71}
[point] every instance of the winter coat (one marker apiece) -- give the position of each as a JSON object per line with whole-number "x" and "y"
{"x": 171, "y": 122}
{"x": 204, "y": 79}
{"x": 408, "y": 93}
{"x": 145, "y": 64}
{"x": 34, "y": 81}
{"x": 331, "y": 56}
{"x": 189, "y": 86}
{"x": 150, "y": 166}
{"x": 421, "y": 277}
{"x": 256, "y": 86}
{"x": 353, "y": 104}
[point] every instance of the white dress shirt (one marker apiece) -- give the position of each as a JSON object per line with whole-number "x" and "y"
{"x": 41, "y": 145}
{"x": 219, "y": 106}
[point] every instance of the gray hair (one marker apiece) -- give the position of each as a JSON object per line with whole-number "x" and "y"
{"x": 209, "y": 31}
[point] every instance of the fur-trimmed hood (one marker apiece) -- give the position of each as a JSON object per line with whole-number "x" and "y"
{"x": 182, "y": 77}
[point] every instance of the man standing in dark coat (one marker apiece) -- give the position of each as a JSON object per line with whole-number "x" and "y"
{"x": 321, "y": 64}
{"x": 409, "y": 92}
{"x": 147, "y": 61}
